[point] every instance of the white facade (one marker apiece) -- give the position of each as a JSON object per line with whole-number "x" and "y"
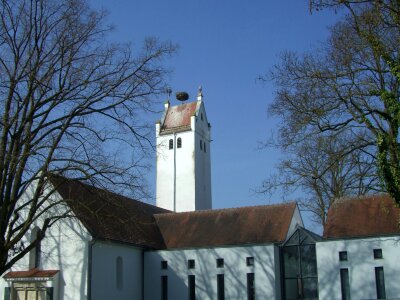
{"x": 107, "y": 270}
{"x": 116, "y": 271}
{"x": 266, "y": 272}
{"x": 361, "y": 266}
{"x": 184, "y": 173}
{"x": 64, "y": 248}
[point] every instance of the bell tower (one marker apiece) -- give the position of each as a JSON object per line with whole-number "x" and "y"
{"x": 183, "y": 156}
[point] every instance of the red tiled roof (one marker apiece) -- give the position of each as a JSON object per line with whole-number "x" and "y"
{"x": 361, "y": 217}
{"x": 31, "y": 273}
{"x": 110, "y": 216}
{"x": 234, "y": 226}
{"x": 178, "y": 117}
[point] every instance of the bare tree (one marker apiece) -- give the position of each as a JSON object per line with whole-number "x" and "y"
{"x": 348, "y": 87}
{"x": 68, "y": 98}
{"x": 318, "y": 171}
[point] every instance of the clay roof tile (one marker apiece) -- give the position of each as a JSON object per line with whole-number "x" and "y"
{"x": 361, "y": 217}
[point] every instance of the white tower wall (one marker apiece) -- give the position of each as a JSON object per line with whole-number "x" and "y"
{"x": 184, "y": 174}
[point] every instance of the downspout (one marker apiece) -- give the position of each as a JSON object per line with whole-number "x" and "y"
{"x": 90, "y": 256}
{"x": 174, "y": 146}
{"x": 143, "y": 274}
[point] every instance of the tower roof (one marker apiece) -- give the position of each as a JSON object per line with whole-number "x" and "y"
{"x": 177, "y": 118}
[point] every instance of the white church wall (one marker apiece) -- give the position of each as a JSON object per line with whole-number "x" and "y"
{"x": 184, "y": 168}
{"x": 64, "y": 248}
{"x": 202, "y": 159}
{"x": 116, "y": 271}
{"x": 235, "y": 270}
{"x": 361, "y": 267}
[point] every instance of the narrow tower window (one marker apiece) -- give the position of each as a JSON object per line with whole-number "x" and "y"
{"x": 201, "y": 145}
{"x": 192, "y": 287}
{"x": 179, "y": 143}
{"x": 251, "y": 293}
{"x": 380, "y": 283}
{"x": 220, "y": 287}
{"x": 35, "y": 253}
{"x": 171, "y": 144}
{"x": 345, "y": 284}
{"x": 164, "y": 287}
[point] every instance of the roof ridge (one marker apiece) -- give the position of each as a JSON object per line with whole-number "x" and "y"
{"x": 203, "y": 211}
{"x": 360, "y": 197}
{"x": 88, "y": 186}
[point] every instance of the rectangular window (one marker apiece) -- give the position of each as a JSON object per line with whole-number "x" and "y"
{"x": 345, "y": 284}
{"x": 192, "y": 287}
{"x": 191, "y": 264}
{"x": 251, "y": 293}
{"x": 250, "y": 261}
{"x": 220, "y": 286}
{"x": 220, "y": 262}
{"x": 380, "y": 283}
{"x": 343, "y": 255}
{"x": 378, "y": 254}
{"x": 164, "y": 287}
{"x": 164, "y": 265}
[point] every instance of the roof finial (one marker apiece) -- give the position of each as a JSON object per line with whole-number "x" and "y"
{"x": 169, "y": 91}
{"x": 200, "y": 94}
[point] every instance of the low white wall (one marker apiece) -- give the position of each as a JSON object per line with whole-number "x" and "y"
{"x": 234, "y": 270}
{"x": 104, "y": 272}
{"x": 64, "y": 248}
{"x": 361, "y": 265}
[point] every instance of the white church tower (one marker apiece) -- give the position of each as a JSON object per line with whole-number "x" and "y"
{"x": 183, "y": 157}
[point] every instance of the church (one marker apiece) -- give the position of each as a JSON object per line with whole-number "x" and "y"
{"x": 115, "y": 247}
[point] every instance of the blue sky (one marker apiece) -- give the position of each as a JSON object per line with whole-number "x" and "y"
{"x": 224, "y": 46}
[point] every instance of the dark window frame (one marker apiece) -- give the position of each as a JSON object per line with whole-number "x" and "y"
{"x": 164, "y": 287}
{"x": 192, "y": 287}
{"x": 343, "y": 256}
{"x": 191, "y": 264}
{"x": 220, "y": 262}
{"x": 220, "y": 286}
{"x": 380, "y": 283}
{"x": 378, "y": 254}
{"x": 164, "y": 265}
{"x": 250, "y": 261}
{"x": 345, "y": 283}
{"x": 251, "y": 288}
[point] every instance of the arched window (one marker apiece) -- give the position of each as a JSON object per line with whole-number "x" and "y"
{"x": 201, "y": 145}
{"x": 171, "y": 144}
{"x": 179, "y": 143}
{"x": 35, "y": 253}
{"x": 119, "y": 273}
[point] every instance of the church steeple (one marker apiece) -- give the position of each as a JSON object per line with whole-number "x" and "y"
{"x": 183, "y": 157}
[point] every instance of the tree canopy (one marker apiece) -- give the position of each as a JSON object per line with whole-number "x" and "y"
{"x": 67, "y": 95}
{"x": 348, "y": 87}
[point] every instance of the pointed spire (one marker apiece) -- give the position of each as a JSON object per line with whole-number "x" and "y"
{"x": 200, "y": 94}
